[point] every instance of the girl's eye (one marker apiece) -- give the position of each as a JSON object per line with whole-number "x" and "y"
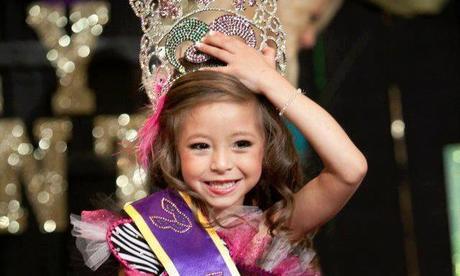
{"x": 199, "y": 146}
{"x": 243, "y": 144}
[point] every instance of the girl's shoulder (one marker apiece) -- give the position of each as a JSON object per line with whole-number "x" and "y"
{"x": 101, "y": 233}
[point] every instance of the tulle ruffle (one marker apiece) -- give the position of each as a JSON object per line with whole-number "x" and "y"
{"x": 90, "y": 231}
{"x": 252, "y": 248}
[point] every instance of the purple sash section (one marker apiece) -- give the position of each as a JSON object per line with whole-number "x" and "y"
{"x": 184, "y": 240}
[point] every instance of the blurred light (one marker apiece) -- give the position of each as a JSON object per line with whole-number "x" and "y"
{"x": 69, "y": 67}
{"x": 10, "y": 189}
{"x": 75, "y": 16}
{"x": 13, "y": 205}
{"x": 93, "y": 19}
{"x": 61, "y": 22}
{"x": 17, "y": 131}
{"x": 13, "y": 159}
{"x": 13, "y": 227}
{"x": 139, "y": 176}
{"x": 76, "y": 28}
{"x": 4, "y": 222}
{"x": 56, "y": 188}
{"x": 49, "y": 226}
{"x": 61, "y": 146}
{"x": 53, "y": 17}
{"x": 131, "y": 135}
{"x": 35, "y": 10}
{"x": 83, "y": 51}
{"x": 96, "y": 30}
{"x": 397, "y": 129}
{"x": 123, "y": 119}
{"x": 122, "y": 181}
{"x": 98, "y": 132}
{"x": 46, "y": 133}
{"x": 39, "y": 154}
{"x": 43, "y": 197}
{"x": 127, "y": 190}
{"x": 25, "y": 148}
{"x": 64, "y": 41}
{"x": 52, "y": 55}
{"x": 44, "y": 144}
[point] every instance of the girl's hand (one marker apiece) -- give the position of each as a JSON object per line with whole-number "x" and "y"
{"x": 244, "y": 62}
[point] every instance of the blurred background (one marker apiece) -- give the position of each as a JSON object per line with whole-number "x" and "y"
{"x": 388, "y": 71}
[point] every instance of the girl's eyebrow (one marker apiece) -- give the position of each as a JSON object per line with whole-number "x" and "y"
{"x": 237, "y": 133}
{"x": 243, "y": 133}
{"x": 197, "y": 135}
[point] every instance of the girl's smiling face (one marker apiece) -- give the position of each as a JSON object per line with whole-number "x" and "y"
{"x": 221, "y": 148}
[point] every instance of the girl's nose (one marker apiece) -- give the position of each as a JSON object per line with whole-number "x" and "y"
{"x": 221, "y": 161}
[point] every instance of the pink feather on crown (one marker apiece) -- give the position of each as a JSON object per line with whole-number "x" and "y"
{"x": 150, "y": 129}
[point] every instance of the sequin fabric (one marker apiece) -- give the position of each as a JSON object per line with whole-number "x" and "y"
{"x": 257, "y": 253}
{"x": 101, "y": 216}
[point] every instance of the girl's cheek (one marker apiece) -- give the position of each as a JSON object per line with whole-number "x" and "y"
{"x": 252, "y": 161}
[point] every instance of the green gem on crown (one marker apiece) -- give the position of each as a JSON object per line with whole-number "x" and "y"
{"x": 190, "y": 29}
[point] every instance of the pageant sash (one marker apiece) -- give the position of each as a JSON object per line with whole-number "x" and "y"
{"x": 182, "y": 245}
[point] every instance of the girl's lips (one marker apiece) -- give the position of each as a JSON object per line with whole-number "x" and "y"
{"x": 222, "y": 187}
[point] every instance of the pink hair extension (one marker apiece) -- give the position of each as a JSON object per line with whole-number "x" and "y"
{"x": 148, "y": 134}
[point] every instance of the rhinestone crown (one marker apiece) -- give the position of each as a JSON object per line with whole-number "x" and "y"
{"x": 171, "y": 27}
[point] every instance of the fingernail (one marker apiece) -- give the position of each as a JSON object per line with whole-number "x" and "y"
{"x": 198, "y": 44}
{"x": 211, "y": 32}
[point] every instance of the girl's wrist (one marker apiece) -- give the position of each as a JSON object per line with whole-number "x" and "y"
{"x": 273, "y": 82}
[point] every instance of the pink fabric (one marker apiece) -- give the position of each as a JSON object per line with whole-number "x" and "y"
{"x": 102, "y": 217}
{"x": 244, "y": 247}
{"x": 247, "y": 249}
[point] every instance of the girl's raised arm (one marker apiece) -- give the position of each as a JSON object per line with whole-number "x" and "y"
{"x": 344, "y": 165}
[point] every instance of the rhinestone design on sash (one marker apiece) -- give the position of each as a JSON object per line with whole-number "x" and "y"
{"x": 179, "y": 223}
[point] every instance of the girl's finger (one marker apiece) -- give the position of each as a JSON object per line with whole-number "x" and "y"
{"x": 216, "y": 52}
{"x": 269, "y": 52}
{"x": 219, "y": 69}
{"x": 222, "y": 41}
{"x": 269, "y": 55}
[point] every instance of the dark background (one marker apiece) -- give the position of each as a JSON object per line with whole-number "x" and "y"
{"x": 364, "y": 51}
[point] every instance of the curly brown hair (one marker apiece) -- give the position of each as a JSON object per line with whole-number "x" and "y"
{"x": 281, "y": 169}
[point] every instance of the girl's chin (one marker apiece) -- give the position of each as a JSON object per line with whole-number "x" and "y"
{"x": 222, "y": 205}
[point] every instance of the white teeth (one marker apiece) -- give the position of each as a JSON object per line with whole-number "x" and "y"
{"x": 222, "y": 186}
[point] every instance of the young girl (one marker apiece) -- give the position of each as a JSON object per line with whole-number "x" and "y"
{"x": 221, "y": 144}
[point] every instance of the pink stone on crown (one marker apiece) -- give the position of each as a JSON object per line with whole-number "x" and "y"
{"x": 235, "y": 26}
{"x": 239, "y": 4}
{"x": 169, "y": 8}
